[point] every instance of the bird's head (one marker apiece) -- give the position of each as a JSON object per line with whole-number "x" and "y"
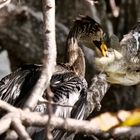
{"x": 89, "y": 32}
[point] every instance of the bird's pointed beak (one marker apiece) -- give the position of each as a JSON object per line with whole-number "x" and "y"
{"x": 103, "y": 49}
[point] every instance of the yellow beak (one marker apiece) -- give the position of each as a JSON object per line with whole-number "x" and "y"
{"x": 103, "y": 48}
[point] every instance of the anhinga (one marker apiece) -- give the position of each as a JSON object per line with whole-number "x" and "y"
{"x": 122, "y": 64}
{"x": 67, "y": 83}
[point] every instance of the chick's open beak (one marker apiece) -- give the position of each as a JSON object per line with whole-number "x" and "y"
{"x": 103, "y": 49}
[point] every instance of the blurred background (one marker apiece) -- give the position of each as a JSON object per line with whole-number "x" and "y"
{"x": 21, "y": 38}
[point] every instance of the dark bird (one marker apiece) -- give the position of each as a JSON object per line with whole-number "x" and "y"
{"x": 67, "y": 83}
{"x": 122, "y": 64}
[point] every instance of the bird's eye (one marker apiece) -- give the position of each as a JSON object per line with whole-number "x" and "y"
{"x": 105, "y": 37}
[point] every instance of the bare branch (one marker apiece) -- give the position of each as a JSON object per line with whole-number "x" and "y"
{"x": 11, "y": 135}
{"x": 5, "y": 122}
{"x": 92, "y": 11}
{"x": 20, "y": 129}
{"x": 4, "y": 3}
{"x": 114, "y": 8}
{"x": 50, "y": 112}
{"x": 37, "y": 119}
{"x": 49, "y": 60}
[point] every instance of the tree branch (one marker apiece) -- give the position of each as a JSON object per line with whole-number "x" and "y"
{"x": 4, "y": 3}
{"x": 29, "y": 118}
{"x": 49, "y": 60}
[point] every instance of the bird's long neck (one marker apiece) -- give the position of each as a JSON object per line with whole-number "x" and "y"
{"x": 72, "y": 50}
{"x": 75, "y": 55}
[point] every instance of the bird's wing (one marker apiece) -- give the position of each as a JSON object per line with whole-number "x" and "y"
{"x": 67, "y": 88}
{"x": 15, "y": 87}
{"x": 74, "y": 89}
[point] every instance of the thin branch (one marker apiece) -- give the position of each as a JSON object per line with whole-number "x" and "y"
{"x": 5, "y": 123}
{"x": 114, "y": 8}
{"x": 92, "y": 10}
{"x": 20, "y": 129}
{"x": 50, "y": 112}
